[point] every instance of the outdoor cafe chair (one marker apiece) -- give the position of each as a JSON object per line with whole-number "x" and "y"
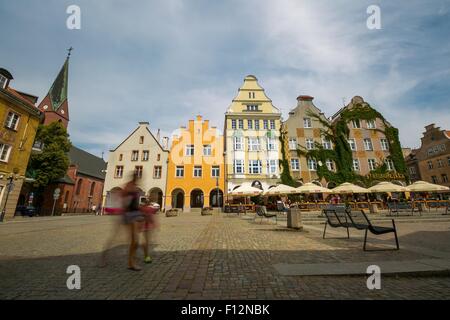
{"x": 360, "y": 221}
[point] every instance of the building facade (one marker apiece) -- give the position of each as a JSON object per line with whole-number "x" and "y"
{"x": 304, "y": 132}
{"x": 141, "y": 153}
{"x": 369, "y": 145}
{"x": 20, "y": 120}
{"x": 252, "y": 138}
{"x": 431, "y": 162}
{"x": 195, "y": 175}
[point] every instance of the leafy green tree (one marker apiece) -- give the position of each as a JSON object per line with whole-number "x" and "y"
{"x": 52, "y": 163}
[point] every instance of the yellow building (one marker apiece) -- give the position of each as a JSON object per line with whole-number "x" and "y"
{"x": 20, "y": 119}
{"x": 252, "y": 138}
{"x": 195, "y": 167}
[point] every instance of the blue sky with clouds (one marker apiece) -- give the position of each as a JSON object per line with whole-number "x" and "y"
{"x": 166, "y": 61}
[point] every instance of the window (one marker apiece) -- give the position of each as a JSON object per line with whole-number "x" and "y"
{"x": 352, "y": 144}
{"x": 356, "y": 164}
{"x": 272, "y": 164}
{"x": 307, "y": 123}
{"x": 253, "y": 144}
{"x": 312, "y": 164}
{"x": 256, "y": 124}
{"x": 241, "y": 124}
{"x": 412, "y": 170}
{"x": 252, "y": 108}
{"x": 197, "y": 171}
{"x": 215, "y": 171}
{"x": 119, "y": 172}
{"x": 207, "y": 150}
{"x": 135, "y": 155}
{"x": 12, "y": 120}
{"x": 370, "y": 124}
{"x": 145, "y": 155}
{"x": 295, "y": 164}
{"x": 448, "y": 161}
{"x": 120, "y": 157}
{"x": 372, "y": 164}
{"x": 384, "y": 144}
{"x": 434, "y": 179}
{"x": 266, "y": 124}
{"x": 390, "y": 164}
{"x": 190, "y": 150}
{"x": 141, "y": 139}
{"x": 309, "y": 143}
{"x": 254, "y": 166}
{"x": 238, "y": 166}
{"x": 326, "y": 144}
{"x": 233, "y": 124}
{"x": 430, "y": 165}
{"x": 238, "y": 143}
{"x": 157, "y": 172}
{"x": 158, "y": 157}
{"x": 179, "y": 172}
{"x": 250, "y": 124}
{"x": 330, "y": 164}
{"x": 92, "y": 189}
{"x": 3, "y": 81}
{"x": 368, "y": 144}
{"x": 271, "y": 144}
{"x": 440, "y": 163}
{"x": 79, "y": 185}
{"x": 138, "y": 171}
{"x": 4, "y": 152}
{"x": 356, "y": 124}
{"x": 444, "y": 178}
{"x": 272, "y": 124}
{"x": 292, "y": 143}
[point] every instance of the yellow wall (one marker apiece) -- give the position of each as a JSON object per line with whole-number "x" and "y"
{"x": 21, "y": 141}
{"x": 198, "y": 133}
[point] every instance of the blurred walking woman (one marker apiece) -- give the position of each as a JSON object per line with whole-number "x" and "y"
{"x": 133, "y": 219}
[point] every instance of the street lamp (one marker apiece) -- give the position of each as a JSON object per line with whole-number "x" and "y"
{"x": 9, "y": 188}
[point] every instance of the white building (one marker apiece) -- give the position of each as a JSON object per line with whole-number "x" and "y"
{"x": 144, "y": 154}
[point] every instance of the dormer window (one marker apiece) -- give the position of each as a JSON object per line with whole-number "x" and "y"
{"x": 3, "y": 81}
{"x": 252, "y": 108}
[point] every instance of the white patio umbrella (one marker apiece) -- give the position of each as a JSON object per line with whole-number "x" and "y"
{"x": 312, "y": 188}
{"x": 423, "y": 186}
{"x": 386, "y": 186}
{"x": 245, "y": 190}
{"x": 280, "y": 189}
{"x": 347, "y": 187}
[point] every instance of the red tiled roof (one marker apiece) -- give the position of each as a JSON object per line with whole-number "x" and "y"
{"x": 20, "y": 97}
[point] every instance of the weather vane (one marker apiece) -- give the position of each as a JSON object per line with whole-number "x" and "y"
{"x": 69, "y": 50}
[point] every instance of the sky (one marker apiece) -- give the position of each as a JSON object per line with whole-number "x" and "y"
{"x": 167, "y": 61}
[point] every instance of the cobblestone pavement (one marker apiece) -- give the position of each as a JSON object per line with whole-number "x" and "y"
{"x": 208, "y": 257}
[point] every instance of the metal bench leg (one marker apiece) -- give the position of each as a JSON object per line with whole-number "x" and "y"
{"x": 395, "y": 233}
{"x": 324, "y": 230}
{"x": 365, "y": 240}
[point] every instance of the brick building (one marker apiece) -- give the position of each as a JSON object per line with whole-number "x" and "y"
{"x": 431, "y": 162}
{"x": 82, "y": 186}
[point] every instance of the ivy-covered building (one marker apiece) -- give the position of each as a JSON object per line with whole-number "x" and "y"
{"x": 303, "y": 133}
{"x": 357, "y": 144}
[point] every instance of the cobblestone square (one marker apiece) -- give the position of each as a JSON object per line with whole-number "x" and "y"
{"x": 211, "y": 257}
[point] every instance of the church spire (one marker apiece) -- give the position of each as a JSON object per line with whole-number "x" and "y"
{"x": 55, "y": 105}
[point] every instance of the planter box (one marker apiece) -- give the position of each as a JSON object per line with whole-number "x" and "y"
{"x": 171, "y": 213}
{"x": 207, "y": 211}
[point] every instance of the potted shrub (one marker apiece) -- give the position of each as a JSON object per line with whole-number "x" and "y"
{"x": 207, "y": 211}
{"x": 172, "y": 213}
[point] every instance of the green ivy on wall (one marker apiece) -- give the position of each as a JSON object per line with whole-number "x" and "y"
{"x": 338, "y": 134}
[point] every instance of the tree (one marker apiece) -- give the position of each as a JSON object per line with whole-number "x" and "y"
{"x": 52, "y": 163}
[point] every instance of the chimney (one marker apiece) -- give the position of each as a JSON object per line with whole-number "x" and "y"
{"x": 158, "y": 136}
{"x": 305, "y": 98}
{"x": 165, "y": 143}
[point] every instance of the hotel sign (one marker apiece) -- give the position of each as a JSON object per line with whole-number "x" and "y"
{"x": 386, "y": 176}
